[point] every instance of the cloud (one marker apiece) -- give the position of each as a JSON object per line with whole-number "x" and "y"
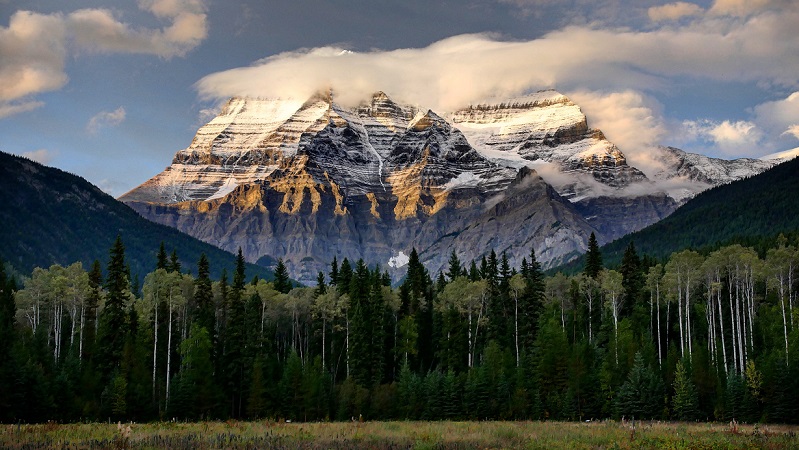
{"x": 41, "y": 156}
{"x": 34, "y": 47}
{"x": 743, "y": 8}
{"x": 793, "y": 130}
{"x": 468, "y": 68}
{"x": 674, "y": 11}
{"x": 12, "y": 108}
{"x": 105, "y": 119}
{"x": 735, "y": 139}
{"x": 629, "y": 119}
{"x": 780, "y": 117}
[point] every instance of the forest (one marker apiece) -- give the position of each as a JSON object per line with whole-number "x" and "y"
{"x": 698, "y": 336}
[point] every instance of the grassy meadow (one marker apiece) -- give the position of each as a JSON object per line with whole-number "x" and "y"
{"x": 399, "y": 435}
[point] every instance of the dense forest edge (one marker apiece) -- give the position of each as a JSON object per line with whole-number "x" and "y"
{"x": 752, "y": 212}
{"x": 701, "y": 337}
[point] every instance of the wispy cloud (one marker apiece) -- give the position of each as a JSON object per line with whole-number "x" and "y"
{"x": 105, "y": 119}
{"x": 34, "y": 46}
{"x": 674, "y": 11}
{"x": 734, "y": 138}
{"x": 12, "y": 108}
{"x": 41, "y": 156}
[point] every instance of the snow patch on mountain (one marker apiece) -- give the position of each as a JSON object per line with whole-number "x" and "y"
{"x": 398, "y": 260}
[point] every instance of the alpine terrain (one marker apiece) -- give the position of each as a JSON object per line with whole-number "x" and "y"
{"x": 307, "y": 180}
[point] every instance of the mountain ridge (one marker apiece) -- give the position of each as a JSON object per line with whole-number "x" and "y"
{"x": 53, "y": 217}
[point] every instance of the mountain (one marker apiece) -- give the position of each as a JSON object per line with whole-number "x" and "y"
{"x": 50, "y": 216}
{"x": 370, "y": 182}
{"x": 311, "y": 179}
{"x": 763, "y": 205}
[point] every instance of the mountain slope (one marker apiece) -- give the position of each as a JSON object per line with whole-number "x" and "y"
{"x": 310, "y": 180}
{"x": 50, "y": 216}
{"x": 369, "y": 182}
{"x": 762, "y": 205}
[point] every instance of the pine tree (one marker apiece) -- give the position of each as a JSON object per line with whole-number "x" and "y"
{"x": 531, "y": 304}
{"x": 113, "y": 327}
{"x": 162, "y": 262}
{"x": 174, "y": 263}
{"x": 685, "y": 395}
{"x": 593, "y": 258}
{"x": 321, "y": 288}
{"x": 235, "y": 341}
{"x": 344, "y": 276}
{"x": 203, "y": 297}
{"x": 334, "y": 272}
{"x": 632, "y": 281}
{"x": 8, "y": 336}
{"x": 641, "y": 395}
{"x": 282, "y": 281}
{"x": 455, "y": 269}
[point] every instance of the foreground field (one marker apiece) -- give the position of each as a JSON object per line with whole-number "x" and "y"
{"x": 398, "y": 435}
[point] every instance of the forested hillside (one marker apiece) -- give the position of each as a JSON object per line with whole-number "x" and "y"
{"x": 764, "y": 205}
{"x": 53, "y": 217}
{"x": 711, "y": 337}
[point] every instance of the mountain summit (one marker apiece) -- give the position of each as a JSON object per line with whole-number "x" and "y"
{"x": 309, "y": 180}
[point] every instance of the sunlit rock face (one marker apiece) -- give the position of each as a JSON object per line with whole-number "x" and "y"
{"x": 307, "y": 180}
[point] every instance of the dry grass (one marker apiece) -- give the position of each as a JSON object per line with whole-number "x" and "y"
{"x": 399, "y": 435}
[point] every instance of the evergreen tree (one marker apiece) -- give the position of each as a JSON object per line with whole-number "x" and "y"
{"x": 321, "y": 288}
{"x": 531, "y": 303}
{"x": 235, "y": 341}
{"x": 282, "y": 281}
{"x": 174, "y": 263}
{"x": 162, "y": 262}
{"x": 344, "y": 276}
{"x": 633, "y": 282}
{"x": 334, "y": 272}
{"x": 203, "y": 297}
{"x": 7, "y": 339}
{"x": 455, "y": 270}
{"x": 113, "y": 326}
{"x": 593, "y": 258}
{"x": 685, "y": 395}
{"x": 641, "y": 395}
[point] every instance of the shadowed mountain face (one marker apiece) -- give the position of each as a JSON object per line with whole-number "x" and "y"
{"x": 53, "y": 217}
{"x": 309, "y": 180}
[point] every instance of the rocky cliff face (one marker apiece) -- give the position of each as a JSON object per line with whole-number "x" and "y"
{"x": 309, "y": 180}
{"x": 371, "y": 182}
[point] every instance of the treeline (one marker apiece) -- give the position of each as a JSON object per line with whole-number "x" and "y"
{"x": 711, "y": 337}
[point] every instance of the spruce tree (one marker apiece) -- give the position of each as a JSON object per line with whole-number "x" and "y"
{"x": 282, "y": 281}
{"x": 113, "y": 327}
{"x": 632, "y": 281}
{"x": 685, "y": 395}
{"x": 531, "y": 303}
{"x": 174, "y": 263}
{"x": 344, "y": 277}
{"x": 334, "y": 272}
{"x": 455, "y": 269}
{"x": 593, "y": 258}
{"x": 204, "y": 297}
{"x": 641, "y": 395}
{"x": 162, "y": 261}
{"x": 321, "y": 288}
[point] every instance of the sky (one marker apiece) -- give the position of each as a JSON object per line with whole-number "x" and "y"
{"x": 110, "y": 90}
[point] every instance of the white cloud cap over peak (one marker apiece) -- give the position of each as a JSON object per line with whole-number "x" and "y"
{"x": 464, "y": 69}
{"x": 674, "y": 11}
{"x": 105, "y": 119}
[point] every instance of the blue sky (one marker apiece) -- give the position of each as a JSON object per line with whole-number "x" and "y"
{"x": 111, "y": 90}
